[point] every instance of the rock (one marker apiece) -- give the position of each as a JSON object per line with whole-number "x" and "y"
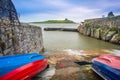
{"x": 115, "y": 38}
{"x": 88, "y": 32}
{"x": 103, "y": 34}
{"x": 61, "y": 29}
{"x": 102, "y": 28}
{"x": 110, "y": 35}
{"x": 47, "y": 74}
{"x": 85, "y": 31}
{"x": 92, "y": 32}
{"x": 42, "y": 50}
{"x": 97, "y": 33}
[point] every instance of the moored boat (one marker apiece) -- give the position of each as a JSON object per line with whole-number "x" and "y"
{"x": 107, "y": 66}
{"x": 21, "y": 67}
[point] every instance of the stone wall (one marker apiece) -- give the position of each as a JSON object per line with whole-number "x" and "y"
{"x": 107, "y": 29}
{"x": 22, "y": 38}
{"x": 16, "y": 37}
{"x": 104, "y": 22}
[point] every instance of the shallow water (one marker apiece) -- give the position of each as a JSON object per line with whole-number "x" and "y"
{"x": 61, "y": 40}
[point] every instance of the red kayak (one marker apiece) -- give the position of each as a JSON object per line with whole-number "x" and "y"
{"x": 107, "y": 66}
{"x": 110, "y": 60}
{"x": 26, "y": 71}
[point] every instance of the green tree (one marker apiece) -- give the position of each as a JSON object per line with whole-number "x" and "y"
{"x": 110, "y": 14}
{"x": 66, "y": 19}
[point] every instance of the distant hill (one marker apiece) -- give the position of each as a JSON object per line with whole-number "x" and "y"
{"x": 55, "y": 21}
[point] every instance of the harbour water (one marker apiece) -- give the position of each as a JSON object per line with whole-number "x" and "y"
{"x": 61, "y": 40}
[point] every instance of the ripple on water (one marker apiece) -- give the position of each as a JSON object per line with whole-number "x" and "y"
{"x": 113, "y": 51}
{"x": 75, "y": 52}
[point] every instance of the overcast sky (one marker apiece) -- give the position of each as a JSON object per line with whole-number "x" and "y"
{"x": 76, "y": 10}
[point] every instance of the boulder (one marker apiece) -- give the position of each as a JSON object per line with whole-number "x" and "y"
{"x": 103, "y": 34}
{"x": 97, "y": 33}
{"x": 92, "y": 32}
{"x": 110, "y": 35}
{"x": 81, "y": 29}
{"x": 84, "y": 31}
{"x": 116, "y": 38}
{"x": 88, "y": 32}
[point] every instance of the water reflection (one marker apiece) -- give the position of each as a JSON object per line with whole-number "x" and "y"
{"x": 59, "y": 40}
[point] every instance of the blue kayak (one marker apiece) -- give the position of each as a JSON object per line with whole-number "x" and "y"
{"x": 9, "y": 63}
{"x": 107, "y": 66}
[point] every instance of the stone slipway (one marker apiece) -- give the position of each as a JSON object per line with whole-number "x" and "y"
{"x": 64, "y": 66}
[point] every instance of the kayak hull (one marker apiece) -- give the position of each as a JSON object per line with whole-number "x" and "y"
{"x": 106, "y": 69}
{"x": 28, "y": 70}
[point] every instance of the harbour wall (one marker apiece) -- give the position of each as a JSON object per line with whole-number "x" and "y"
{"x": 16, "y": 37}
{"x": 61, "y": 29}
{"x": 22, "y": 38}
{"x": 107, "y": 29}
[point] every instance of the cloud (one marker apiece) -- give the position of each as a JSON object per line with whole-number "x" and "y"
{"x": 76, "y": 13}
{"x": 56, "y": 3}
{"x": 108, "y": 3}
{"x": 41, "y": 10}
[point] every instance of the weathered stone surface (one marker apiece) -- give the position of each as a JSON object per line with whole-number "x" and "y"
{"x": 115, "y": 38}
{"x": 85, "y": 31}
{"x": 61, "y": 29}
{"x": 68, "y": 66}
{"x": 88, "y": 32}
{"x": 23, "y": 39}
{"x": 104, "y": 32}
{"x": 97, "y": 34}
{"x": 110, "y": 35}
{"x": 102, "y": 28}
{"x": 15, "y": 37}
{"x": 92, "y": 32}
{"x": 104, "y": 22}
